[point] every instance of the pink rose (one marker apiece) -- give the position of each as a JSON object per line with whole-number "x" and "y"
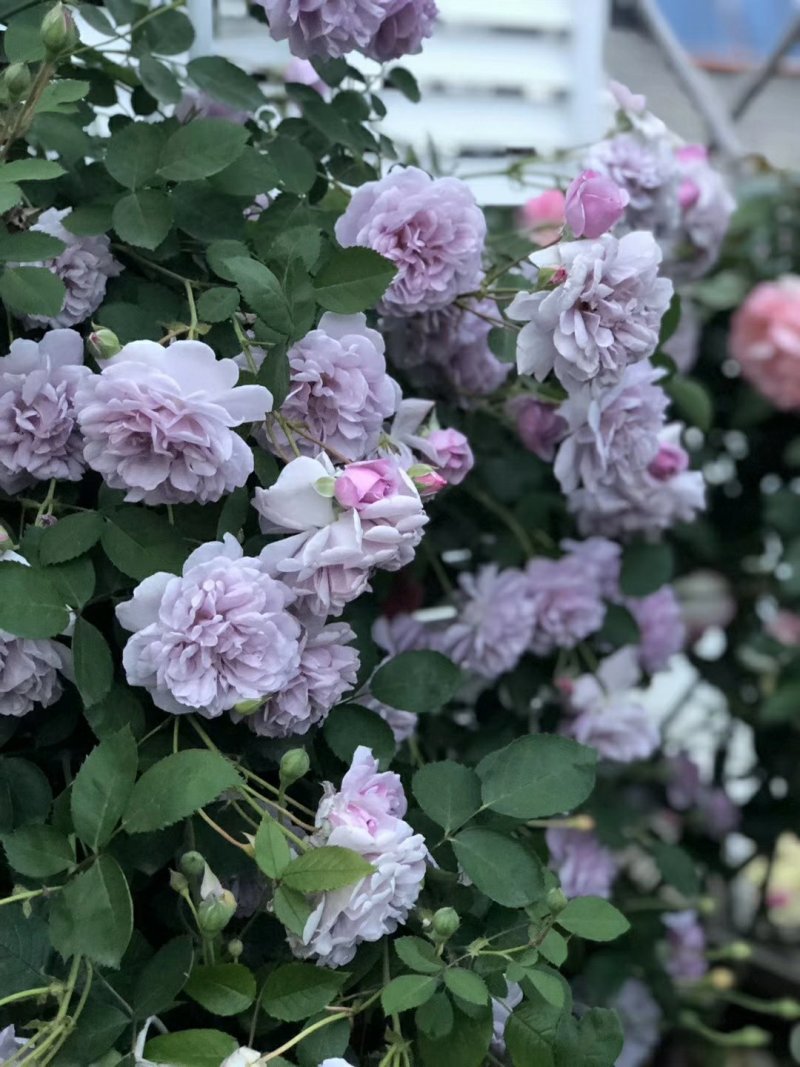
{"x": 692, "y": 153}
{"x": 365, "y": 483}
{"x": 670, "y": 460}
{"x": 427, "y": 481}
{"x": 454, "y": 457}
{"x": 544, "y": 216}
{"x": 785, "y": 627}
{"x": 594, "y": 204}
{"x": 765, "y": 341}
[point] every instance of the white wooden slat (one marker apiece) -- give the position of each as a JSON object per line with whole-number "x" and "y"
{"x": 481, "y": 59}
{"x": 545, "y": 15}
{"x": 479, "y": 121}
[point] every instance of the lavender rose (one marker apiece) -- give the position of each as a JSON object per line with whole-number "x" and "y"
{"x": 39, "y": 438}
{"x": 686, "y": 946}
{"x": 327, "y": 28}
{"x": 604, "y": 315}
{"x": 566, "y": 607}
{"x": 641, "y": 1018}
{"x": 606, "y": 713}
{"x": 405, "y": 26}
{"x": 29, "y": 673}
{"x": 661, "y": 627}
{"x": 217, "y": 635}
{"x": 340, "y": 391}
{"x": 584, "y": 867}
{"x": 84, "y": 267}
{"x": 159, "y": 423}
{"x": 448, "y": 350}
{"x": 539, "y": 425}
{"x": 452, "y": 454}
{"x": 431, "y": 229}
{"x": 494, "y": 625}
{"x": 365, "y": 815}
{"x": 327, "y": 669}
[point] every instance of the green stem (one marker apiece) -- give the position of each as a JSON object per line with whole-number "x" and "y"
{"x": 29, "y": 894}
{"x": 312, "y": 1030}
{"x": 505, "y": 516}
{"x": 28, "y": 994}
{"x": 193, "y": 320}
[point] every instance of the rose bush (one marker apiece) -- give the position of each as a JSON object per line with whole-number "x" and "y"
{"x": 340, "y": 521}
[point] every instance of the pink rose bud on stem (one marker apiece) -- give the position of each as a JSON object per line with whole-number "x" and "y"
{"x": 594, "y": 204}
{"x": 670, "y": 460}
{"x": 365, "y": 483}
{"x": 427, "y": 480}
{"x": 544, "y": 216}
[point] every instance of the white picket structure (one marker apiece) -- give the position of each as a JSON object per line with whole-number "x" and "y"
{"x": 500, "y": 80}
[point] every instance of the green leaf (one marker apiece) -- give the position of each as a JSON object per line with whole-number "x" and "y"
{"x": 234, "y": 513}
{"x": 350, "y": 725}
{"x": 222, "y": 988}
{"x": 93, "y": 916}
{"x": 10, "y": 196}
{"x": 599, "y": 1040}
{"x": 94, "y": 669}
{"x": 176, "y": 787}
{"x": 549, "y": 985}
{"x": 204, "y": 212}
{"x": 100, "y": 1024}
{"x": 75, "y": 580}
{"x": 500, "y": 867}
{"x": 671, "y": 320}
{"x": 416, "y": 681}
{"x": 139, "y": 543}
{"x": 537, "y": 776}
{"x": 263, "y": 292}
{"x": 163, "y": 977}
{"x": 297, "y": 990}
{"x": 677, "y": 868}
{"x": 594, "y": 919}
{"x": 294, "y": 164}
{"x": 38, "y": 851}
{"x": 722, "y": 291}
{"x": 292, "y": 909}
{"x": 275, "y": 374}
{"x": 464, "y": 1045}
{"x": 352, "y": 280}
{"x": 117, "y": 710}
{"x": 223, "y": 81}
{"x": 408, "y": 991}
{"x": 29, "y": 246}
{"x": 25, "y": 794}
{"x": 200, "y": 148}
{"x": 467, "y": 985}
{"x": 619, "y": 628}
{"x": 419, "y": 955}
{"x": 32, "y": 291}
{"x": 645, "y": 568}
{"x": 102, "y": 788}
{"x": 30, "y": 170}
{"x": 24, "y": 951}
{"x": 133, "y": 153}
{"x": 23, "y": 39}
{"x": 525, "y": 1040}
{"x": 404, "y": 80}
{"x": 159, "y": 80}
{"x": 271, "y": 849}
{"x": 57, "y": 94}
{"x": 88, "y": 220}
{"x": 448, "y": 793}
{"x": 31, "y": 603}
{"x": 143, "y": 219}
{"x": 554, "y": 948}
{"x": 219, "y": 254}
{"x": 191, "y": 1048}
{"x": 328, "y": 867}
{"x": 70, "y": 537}
{"x": 692, "y": 401}
{"x": 218, "y": 304}
{"x": 434, "y": 1018}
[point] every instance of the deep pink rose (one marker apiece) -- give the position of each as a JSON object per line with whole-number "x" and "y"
{"x": 365, "y": 483}
{"x": 594, "y": 204}
{"x": 544, "y": 216}
{"x": 670, "y": 460}
{"x": 765, "y": 341}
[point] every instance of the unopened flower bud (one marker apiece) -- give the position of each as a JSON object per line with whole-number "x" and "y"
{"x": 235, "y": 948}
{"x": 17, "y": 80}
{"x": 178, "y": 882}
{"x": 294, "y": 765}
{"x": 103, "y": 343}
{"x": 248, "y": 707}
{"x": 787, "y": 1008}
{"x": 556, "y": 901}
{"x": 192, "y": 864}
{"x": 722, "y": 979}
{"x": 427, "y": 480}
{"x": 214, "y": 914}
{"x": 445, "y": 923}
{"x": 59, "y": 32}
{"x": 752, "y": 1037}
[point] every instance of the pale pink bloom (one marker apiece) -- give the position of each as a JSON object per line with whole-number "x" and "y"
{"x": 453, "y": 455}
{"x": 543, "y": 216}
{"x": 765, "y": 340}
{"x": 364, "y": 483}
{"x": 594, "y": 204}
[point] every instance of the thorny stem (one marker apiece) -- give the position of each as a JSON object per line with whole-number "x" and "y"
{"x": 224, "y": 833}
